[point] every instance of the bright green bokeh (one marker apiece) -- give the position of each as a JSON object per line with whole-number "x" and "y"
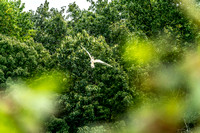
{"x": 23, "y": 108}
{"x": 139, "y": 51}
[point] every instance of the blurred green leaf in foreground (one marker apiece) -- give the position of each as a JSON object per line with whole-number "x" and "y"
{"x": 23, "y": 108}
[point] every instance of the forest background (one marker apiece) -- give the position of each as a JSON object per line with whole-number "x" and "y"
{"x": 48, "y": 85}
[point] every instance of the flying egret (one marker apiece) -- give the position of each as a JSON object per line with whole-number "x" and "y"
{"x": 92, "y": 60}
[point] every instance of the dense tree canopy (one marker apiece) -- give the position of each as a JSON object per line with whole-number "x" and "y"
{"x": 21, "y": 60}
{"x": 50, "y": 26}
{"x": 139, "y": 38}
{"x": 99, "y": 94}
{"x": 150, "y": 17}
{"x": 14, "y": 21}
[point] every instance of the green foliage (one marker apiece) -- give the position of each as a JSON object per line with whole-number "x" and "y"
{"x": 115, "y": 127}
{"x": 100, "y": 94}
{"x": 137, "y": 37}
{"x": 147, "y": 17}
{"x": 21, "y": 60}
{"x": 56, "y": 125}
{"x": 93, "y": 21}
{"x": 14, "y": 21}
{"x": 24, "y": 107}
{"x": 50, "y": 26}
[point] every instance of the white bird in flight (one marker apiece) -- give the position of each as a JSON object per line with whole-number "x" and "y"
{"x": 92, "y": 60}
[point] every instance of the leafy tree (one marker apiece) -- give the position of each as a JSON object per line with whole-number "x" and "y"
{"x": 21, "y": 60}
{"x": 99, "y": 94}
{"x": 144, "y": 16}
{"x": 50, "y": 26}
{"x": 93, "y": 21}
{"x": 14, "y": 21}
{"x": 134, "y": 36}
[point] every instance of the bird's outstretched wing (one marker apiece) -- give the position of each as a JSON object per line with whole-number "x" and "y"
{"x": 87, "y": 52}
{"x": 100, "y": 61}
